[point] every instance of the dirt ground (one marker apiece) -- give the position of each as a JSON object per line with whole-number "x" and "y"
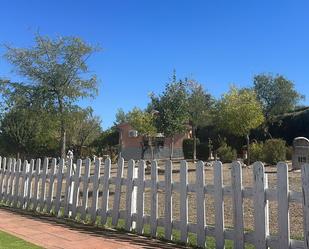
{"x": 296, "y": 216}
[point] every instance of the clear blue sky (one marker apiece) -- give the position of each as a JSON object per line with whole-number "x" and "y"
{"x": 216, "y": 42}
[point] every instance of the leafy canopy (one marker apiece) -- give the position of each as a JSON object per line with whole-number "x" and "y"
{"x": 142, "y": 121}
{"x": 239, "y": 111}
{"x": 172, "y": 108}
{"x": 277, "y": 94}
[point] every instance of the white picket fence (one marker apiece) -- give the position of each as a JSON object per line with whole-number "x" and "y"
{"x": 54, "y": 188}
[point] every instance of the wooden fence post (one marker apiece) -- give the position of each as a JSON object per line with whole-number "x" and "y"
{"x": 115, "y": 215}
{"x": 260, "y": 206}
{"x": 43, "y": 189}
{"x": 67, "y": 190}
{"x": 154, "y": 199}
{"x": 59, "y": 187}
{"x": 168, "y": 200}
{"x": 131, "y": 166}
{"x": 200, "y": 204}
{"x": 184, "y": 201}
{"x": 219, "y": 205}
{"x": 52, "y": 171}
{"x": 107, "y": 169}
{"x": 140, "y": 197}
{"x": 85, "y": 189}
{"x": 283, "y": 206}
{"x": 95, "y": 190}
{"x": 2, "y": 176}
{"x": 36, "y": 184}
{"x": 76, "y": 188}
{"x": 238, "y": 210}
{"x": 305, "y": 192}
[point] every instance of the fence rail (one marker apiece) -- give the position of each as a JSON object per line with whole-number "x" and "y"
{"x": 64, "y": 188}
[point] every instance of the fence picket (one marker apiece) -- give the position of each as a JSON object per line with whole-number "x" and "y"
{"x": 36, "y": 184}
{"x": 115, "y": 215}
{"x": 260, "y": 207}
{"x": 305, "y": 195}
{"x": 283, "y": 206}
{"x": 49, "y": 200}
{"x": 154, "y": 199}
{"x": 11, "y": 181}
{"x": 7, "y": 180}
{"x": 95, "y": 190}
{"x": 2, "y": 176}
{"x": 76, "y": 188}
{"x": 29, "y": 185}
{"x": 23, "y": 189}
{"x": 107, "y": 169}
{"x": 131, "y": 166}
{"x": 16, "y": 183}
{"x": 183, "y": 201}
{"x": 59, "y": 187}
{"x": 219, "y": 205}
{"x": 43, "y": 188}
{"x": 168, "y": 201}
{"x": 200, "y": 204}
{"x": 85, "y": 189}
{"x": 67, "y": 190}
{"x": 140, "y": 197}
{"x": 237, "y": 197}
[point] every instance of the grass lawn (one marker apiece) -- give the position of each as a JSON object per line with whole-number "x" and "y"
{"x": 8, "y": 241}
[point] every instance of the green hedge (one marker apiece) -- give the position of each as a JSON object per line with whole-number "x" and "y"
{"x": 271, "y": 152}
{"x": 226, "y": 153}
{"x": 274, "y": 151}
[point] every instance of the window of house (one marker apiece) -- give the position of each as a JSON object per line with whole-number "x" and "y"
{"x": 133, "y": 133}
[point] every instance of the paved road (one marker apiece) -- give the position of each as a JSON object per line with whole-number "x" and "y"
{"x": 52, "y": 233}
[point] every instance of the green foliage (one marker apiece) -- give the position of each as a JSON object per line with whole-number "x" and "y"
{"x": 199, "y": 104}
{"x": 121, "y": 117}
{"x": 274, "y": 151}
{"x": 142, "y": 121}
{"x": 226, "y": 153}
{"x": 256, "y": 151}
{"x": 276, "y": 94}
{"x": 82, "y": 129}
{"x": 107, "y": 143}
{"x": 289, "y": 152}
{"x": 57, "y": 74}
{"x": 238, "y": 112}
{"x": 171, "y": 106}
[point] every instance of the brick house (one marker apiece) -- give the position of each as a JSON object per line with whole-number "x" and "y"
{"x": 131, "y": 144}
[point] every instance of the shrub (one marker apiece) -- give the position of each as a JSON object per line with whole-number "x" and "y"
{"x": 256, "y": 152}
{"x": 226, "y": 153}
{"x": 274, "y": 151}
{"x": 289, "y": 152}
{"x": 187, "y": 146}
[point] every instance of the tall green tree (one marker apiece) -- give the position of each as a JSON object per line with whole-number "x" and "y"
{"x": 238, "y": 112}
{"x": 276, "y": 94}
{"x": 200, "y": 105}
{"x": 58, "y": 69}
{"x": 172, "y": 109}
{"x": 143, "y": 122}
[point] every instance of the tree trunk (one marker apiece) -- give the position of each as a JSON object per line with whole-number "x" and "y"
{"x": 172, "y": 147}
{"x": 194, "y": 142}
{"x": 151, "y": 147}
{"x": 62, "y": 128}
{"x": 248, "y": 151}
